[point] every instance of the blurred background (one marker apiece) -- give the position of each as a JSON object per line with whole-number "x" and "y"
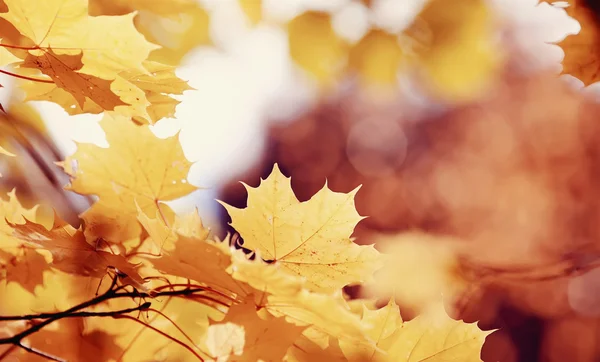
{"x": 453, "y": 115}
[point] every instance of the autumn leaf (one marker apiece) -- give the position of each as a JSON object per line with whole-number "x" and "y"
{"x": 93, "y": 345}
{"x": 133, "y": 93}
{"x": 177, "y": 26}
{"x": 138, "y": 167}
{"x": 165, "y": 237}
{"x": 582, "y": 51}
{"x": 108, "y": 44}
{"x": 309, "y": 239}
{"x": 229, "y": 271}
{"x": 72, "y": 254}
{"x": 13, "y": 212}
{"x": 157, "y": 86}
{"x": 25, "y": 268}
{"x": 305, "y": 349}
{"x": 63, "y": 71}
{"x": 325, "y": 313}
{"x": 432, "y": 336}
{"x": 264, "y": 337}
{"x": 184, "y": 260}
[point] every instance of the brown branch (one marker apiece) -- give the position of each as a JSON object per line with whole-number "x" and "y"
{"x": 40, "y": 353}
{"x": 26, "y": 77}
{"x": 173, "y": 323}
{"x": 140, "y": 331}
{"x": 113, "y": 292}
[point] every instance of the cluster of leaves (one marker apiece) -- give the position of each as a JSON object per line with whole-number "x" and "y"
{"x": 284, "y": 300}
{"x": 134, "y": 259}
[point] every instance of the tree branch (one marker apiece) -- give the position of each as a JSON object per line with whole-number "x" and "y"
{"x": 77, "y": 311}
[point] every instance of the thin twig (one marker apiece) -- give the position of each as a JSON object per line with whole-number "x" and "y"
{"x": 162, "y": 334}
{"x": 40, "y": 353}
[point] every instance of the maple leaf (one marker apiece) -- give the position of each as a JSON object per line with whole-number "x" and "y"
{"x": 12, "y": 211}
{"x": 72, "y": 254}
{"x": 63, "y": 71}
{"x": 92, "y": 345}
{"x": 272, "y": 287}
{"x": 310, "y": 239}
{"x": 26, "y": 268}
{"x": 215, "y": 258}
{"x": 432, "y": 336}
{"x": 178, "y": 25}
{"x": 265, "y": 337}
{"x": 156, "y": 85}
{"x": 165, "y": 237}
{"x": 186, "y": 243}
{"x": 582, "y": 56}
{"x": 325, "y": 313}
{"x": 306, "y": 349}
{"x": 138, "y": 167}
{"x": 134, "y": 93}
{"x": 109, "y": 44}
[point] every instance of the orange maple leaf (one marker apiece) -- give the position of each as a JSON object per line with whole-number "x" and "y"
{"x": 72, "y": 254}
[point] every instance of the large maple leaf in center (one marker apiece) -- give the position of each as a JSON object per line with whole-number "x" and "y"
{"x": 310, "y": 239}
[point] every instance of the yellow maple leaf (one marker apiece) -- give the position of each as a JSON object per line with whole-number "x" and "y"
{"x": 229, "y": 272}
{"x": 12, "y": 211}
{"x": 203, "y": 261}
{"x": 265, "y": 337}
{"x": 165, "y": 237}
{"x": 156, "y": 85}
{"x": 224, "y": 341}
{"x": 109, "y": 44}
{"x": 285, "y": 295}
{"x": 138, "y": 167}
{"x": 133, "y": 93}
{"x": 432, "y": 336}
{"x": 178, "y": 25}
{"x": 309, "y": 239}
